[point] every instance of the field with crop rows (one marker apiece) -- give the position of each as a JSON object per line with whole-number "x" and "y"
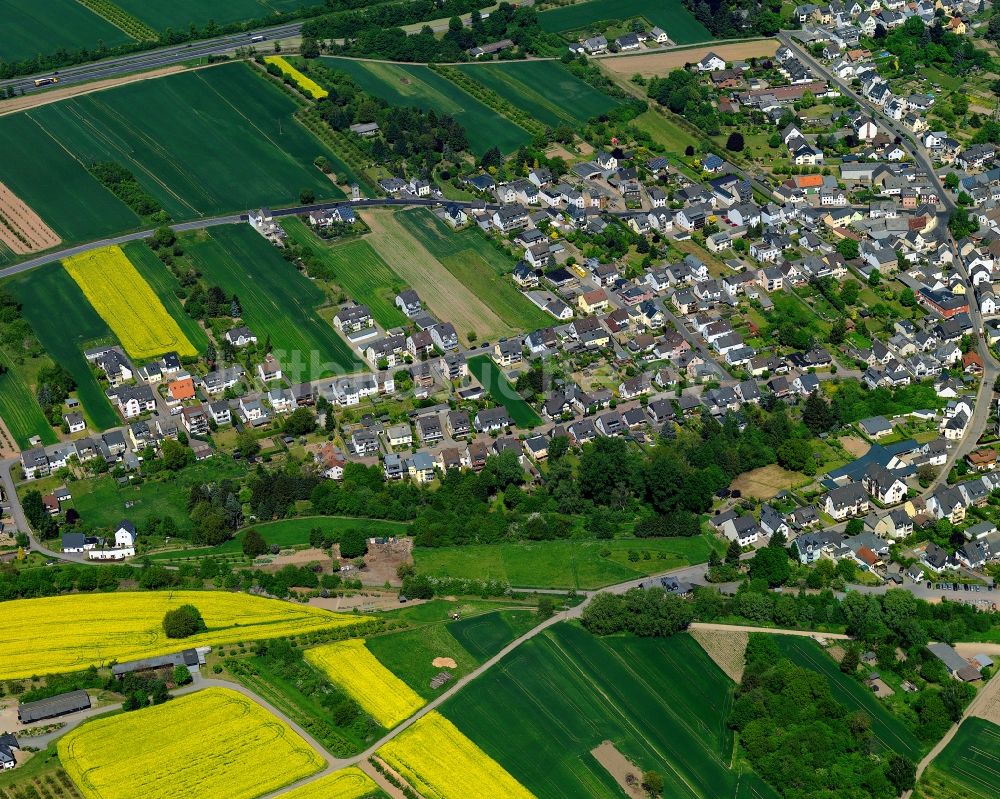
{"x": 348, "y": 783}
{"x": 162, "y": 281}
{"x": 304, "y": 82}
{"x": 483, "y": 636}
{"x": 662, "y": 701}
{"x": 968, "y": 767}
{"x": 44, "y": 173}
{"x": 202, "y": 142}
{"x": 31, "y": 27}
{"x": 357, "y": 269}
{"x": 381, "y": 694}
{"x": 546, "y": 89}
{"x": 66, "y": 324}
{"x": 209, "y": 743}
{"x": 502, "y": 392}
{"x": 74, "y": 631}
{"x": 416, "y": 85}
{"x": 563, "y": 564}
{"x": 671, "y": 15}
{"x": 442, "y": 763}
{"x": 887, "y": 729}
{"x": 179, "y": 14}
{"x": 478, "y": 265}
{"x": 18, "y": 408}
{"x": 117, "y": 291}
{"x": 276, "y": 300}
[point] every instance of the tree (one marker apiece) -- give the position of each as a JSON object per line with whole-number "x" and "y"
{"x": 175, "y": 455}
{"x": 733, "y": 553}
{"x": 848, "y": 248}
{"x": 771, "y": 565}
{"x": 961, "y": 224}
{"x": 182, "y": 675}
{"x": 851, "y": 660}
{"x": 735, "y": 143}
{"x": 307, "y": 197}
{"x": 183, "y": 622}
{"x": 818, "y": 414}
{"x": 353, "y": 543}
{"x": 854, "y": 526}
{"x": 951, "y": 181}
{"x": 492, "y": 158}
{"x": 652, "y": 783}
{"x": 300, "y": 422}
{"x": 253, "y": 544}
{"x": 902, "y": 773}
{"x": 546, "y": 608}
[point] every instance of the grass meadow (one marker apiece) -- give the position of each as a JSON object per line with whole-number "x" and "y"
{"x": 66, "y": 324}
{"x": 179, "y": 14}
{"x": 968, "y": 767}
{"x": 357, "y": 269}
{"x": 502, "y": 392}
{"x": 277, "y": 300}
{"x": 31, "y": 27}
{"x": 484, "y": 636}
{"x": 671, "y": 15}
{"x": 18, "y": 408}
{"x": 416, "y": 85}
{"x": 546, "y": 89}
{"x": 576, "y": 564}
{"x": 662, "y": 701}
{"x": 478, "y": 265}
{"x": 889, "y": 731}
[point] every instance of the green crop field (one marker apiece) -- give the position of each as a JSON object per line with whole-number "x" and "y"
{"x": 49, "y": 178}
{"x": 478, "y": 265}
{"x": 576, "y": 564}
{"x": 887, "y": 729}
{"x": 18, "y": 408}
{"x": 33, "y": 27}
{"x": 277, "y": 300}
{"x": 163, "y": 282}
{"x": 410, "y": 655}
{"x": 484, "y": 636}
{"x": 671, "y": 15}
{"x": 357, "y": 269}
{"x": 203, "y": 142}
{"x": 66, "y": 325}
{"x": 502, "y": 392}
{"x": 179, "y": 14}
{"x": 287, "y": 533}
{"x": 968, "y": 767}
{"x": 546, "y": 89}
{"x": 662, "y": 702}
{"x": 415, "y": 85}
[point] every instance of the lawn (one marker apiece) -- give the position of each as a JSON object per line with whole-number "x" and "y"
{"x": 202, "y": 142}
{"x": 502, "y": 392}
{"x": 102, "y": 503}
{"x": 179, "y": 14}
{"x": 287, "y": 533}
{"x": 31, "y": 27}
{"x": 968, "y": 767}
{"x": 478, "y": 265}
{"x": 18, "y": 408}
{"x": 410, "y": 654}
{"x": 671, "y": 15}
{"x": 357, "y": 269}
{"x": 577, "y": 564}
{"x": 545, "y": 89}
{"x": 57, "y": 186}
{"x": 209, "y": 742}
{"x": 484, "y": 636}
{"x": 66, "y": 324}
{"x": 277, "y": 301}
{"x": 664, "y": 131}
{"x": 162, "y": 281}
{"x": 888, "y": 730}
{"x": 416, "y": 85}
{"x": 662, "y": 702}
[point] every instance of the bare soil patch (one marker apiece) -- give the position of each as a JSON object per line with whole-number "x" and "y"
{"x": 448, "y": 299}
{"x": 444, "y": 663}
{"x": 383, "y": 560}
{"x": 855, "y": 445}
{"x": 652, "y": 64}
{"x": 383, "y": 783}
{"x": 626, "y": 773}
{"x": 8, "y": 449}
{"x": 302, "y": 557}
{"x": 21, "y": 229}
{"x": 362, "y": 602}
{"x": 766, "y": 482}
{"x": 836, "y": 652}
{"x": 36, "y": 99}
{"x": 726, "y": 649}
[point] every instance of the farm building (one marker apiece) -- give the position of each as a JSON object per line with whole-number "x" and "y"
{"x": 192, "y": 658}
{"x": 958, "y": 667}
{"x": 53, "y": 706}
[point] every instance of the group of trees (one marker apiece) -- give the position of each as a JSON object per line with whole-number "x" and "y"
{"x": 802, "y": 740}
{"x": 216, "y": 512}
{"x": 52, "y": 389}
{"x": 682, "y": 92}
{"x": 728, "y": 19}
{"x": 650, "y": 612}
{"x": 183, "y": 622}
{"x": 916, "y": 43}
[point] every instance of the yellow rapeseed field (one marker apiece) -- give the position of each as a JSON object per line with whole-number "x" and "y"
{"x": 71, "y": 632}
{"x": 348, "y": 783}
{"x": 125, "y": 301}
{"x": 441, "y": 763}
{"x": 212, "y": 743}
{"x": 381, "y": 694}
{"x": 307, "y": 84}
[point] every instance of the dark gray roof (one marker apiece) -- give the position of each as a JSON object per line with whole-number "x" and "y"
{"x": 189, "y": 657}
{"x": 53, "y": 706}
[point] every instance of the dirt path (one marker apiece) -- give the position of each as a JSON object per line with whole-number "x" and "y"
{"x": 743, "y": 628}
{"x": 653, "y": 64}
{"x": 382, "y": 782}
{"x": 621, "y": 768}
{"x": 447, "y": 298}
{"x": 36, "y": 99}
